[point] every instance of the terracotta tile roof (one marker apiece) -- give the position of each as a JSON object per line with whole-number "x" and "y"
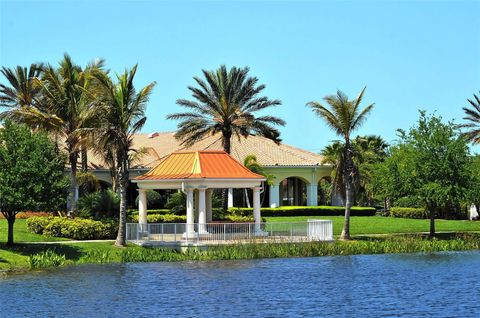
{"x": 268, "y": 153}
{"x": 199, "y": 164}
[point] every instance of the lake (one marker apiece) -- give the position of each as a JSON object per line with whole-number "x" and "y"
{"x": 415, "y": 285}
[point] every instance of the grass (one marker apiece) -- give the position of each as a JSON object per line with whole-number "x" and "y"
{"x": 30, "y": 256}
{"x": 21, "y": 234}
{"x": 360, "y": 225}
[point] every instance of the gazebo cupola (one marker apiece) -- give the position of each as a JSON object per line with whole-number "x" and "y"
{"x": 197, "y": 173}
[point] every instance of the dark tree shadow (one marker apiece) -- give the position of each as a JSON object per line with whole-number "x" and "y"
{"x": 70, "y": 252}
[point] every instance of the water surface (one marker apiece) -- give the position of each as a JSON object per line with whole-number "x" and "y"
{"x": 415, "y": 285}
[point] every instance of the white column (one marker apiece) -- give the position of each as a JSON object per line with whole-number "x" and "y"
{"x": 142, "y": 206}
{"x": 312, "y": 192}
{"x": 202, "y": 213}
{"x": 230, "y": 198}
{"x": 209, "y": 205}
{"x": 256, "y": 208}
{"x": 274, "y": 195}
{"x": 190, "y": 215}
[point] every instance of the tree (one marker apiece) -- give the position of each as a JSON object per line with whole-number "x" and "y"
{"x": 367, "y": 151}
{"x": 473, "y": 189}
{"x": 31, "y": 177}
{"x": 122, "y": 116}
{"x": 226, "y": 103}
{"x": 473, "y": 118}
{"x": 430, "y": 162}
{"x": 344, "y": 116}
{"x": 64, "y": 106}
{"x": 22, "y": 92}
{"x": 250, "y": 162}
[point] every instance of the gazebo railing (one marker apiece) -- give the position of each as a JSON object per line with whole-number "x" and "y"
{"x": 225, "y": 233}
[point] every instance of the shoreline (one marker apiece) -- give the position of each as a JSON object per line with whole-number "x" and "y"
{"x": 25, "y": 258}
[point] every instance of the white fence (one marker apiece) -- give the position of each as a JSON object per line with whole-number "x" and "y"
{"x": 226, "y": 233}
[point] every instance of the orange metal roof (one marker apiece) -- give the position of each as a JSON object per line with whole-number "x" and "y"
{"x": 211, "y": 164}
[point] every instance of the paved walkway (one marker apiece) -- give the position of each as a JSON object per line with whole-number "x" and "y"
{"x": 68, "y": 242}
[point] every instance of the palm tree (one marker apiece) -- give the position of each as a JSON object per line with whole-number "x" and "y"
{"x": 62, "y": 107}
{"x": 226, "y": 103}
{"x": 123, "y": 115}
{"x": 22, "y": 93}
{"x": 344, "y": 116}
{"x": 250, "y": 162}
{"x": 332, "y": 155}
{"x": 473, "y": 116}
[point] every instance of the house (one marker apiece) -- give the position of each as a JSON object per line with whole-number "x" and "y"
{"x": 296, "y": 172}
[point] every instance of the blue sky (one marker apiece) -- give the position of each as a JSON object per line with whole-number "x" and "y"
{"x": 411, "y": 55}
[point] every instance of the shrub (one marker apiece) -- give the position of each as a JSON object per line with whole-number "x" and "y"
{"x": 154, "y": 199}
{"x": 409, "y": 213}
{"x": 162, "y": 218}
{"x": 77, "y": 229}
{"x": 133, "y": 212}
{"x": 37, "y": 224}
{"x": 305, "y": 211}
{"x": 99, "y": 204}
{"x": 176, "y": 203}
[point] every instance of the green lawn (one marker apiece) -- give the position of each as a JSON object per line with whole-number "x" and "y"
{"x": 21, "y": 234}
{"x": 385, "y": 225}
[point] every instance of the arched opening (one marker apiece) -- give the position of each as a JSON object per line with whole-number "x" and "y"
{"x": 293, "y": 191}
{"x": 324, "y": 191}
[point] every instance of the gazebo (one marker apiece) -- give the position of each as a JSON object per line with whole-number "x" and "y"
{"x": 197, "y": 173}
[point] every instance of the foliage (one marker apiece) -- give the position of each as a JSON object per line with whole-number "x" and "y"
{"x": 473, "y": 189}
{"x": 409, "y": 213}
{"x": 473, "y": 119}
{"x": 99, "y": 204}
{"x": 367, "y": 151}
{"x": 121, "y": 116}
{"x": 226, "y": 103}
{"x": 177, "y": 203}
{"x": 409, "y": 202}
{"x": 429, "y": 162}
{"x": 78, "y": 229}
{"x": 154, "y": 199}
{"x": 344, "y": 116}
{"x": 161, "y": 218}
{"x": 31, "y": 177}
{"x": 46, "y": 259}
{"x": 304, "y": 211}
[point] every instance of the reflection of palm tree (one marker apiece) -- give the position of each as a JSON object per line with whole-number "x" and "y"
{"x": 473, "y": 118}
{"x": 344, "y": 116}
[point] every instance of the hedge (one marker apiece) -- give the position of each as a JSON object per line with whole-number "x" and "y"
{"x": 77, "y": 229}
{"x": 306, "y": 211}
{"x": 161, "y": 218}
{"x": 152, "y": 211}
{"x": 409, "y": 213}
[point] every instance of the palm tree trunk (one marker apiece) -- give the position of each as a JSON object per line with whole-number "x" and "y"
{"x": 226, "y": 142}
{"x": 347, "y": 176}
{"x": 84, "y": 159}
{"x": 73, "y": 158}
{"x": 122, "y": 187}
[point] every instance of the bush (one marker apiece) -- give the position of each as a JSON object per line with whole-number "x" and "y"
{"x": 99, "y": 204}
{"x": 133, "y": 212}
{"x": 409, "y": 213}
{"x": 162, "y": 218}
{"x": 154, "y": 199}
{"x": 305, "y": 211}
{"x": 77, "y": 229}
{"x": 176, "y": 203}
